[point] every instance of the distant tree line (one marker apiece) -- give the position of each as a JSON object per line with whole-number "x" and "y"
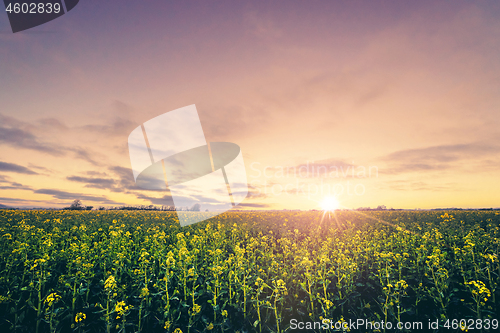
{"x": 77, "y": 205}
{"x": 381, "y": 207}
{"x": 195, "y": 208}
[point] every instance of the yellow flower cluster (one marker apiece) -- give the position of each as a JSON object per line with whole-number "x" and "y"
{"x": 144, "y": 292}
{"x": 52, "y": 298}
{"x": 110, "y": 283}
{"x": 80, "y": 316}
{"x": 479, "y": 290}
{"x": 401, "y": 284}
{"x": 121, "y": 309}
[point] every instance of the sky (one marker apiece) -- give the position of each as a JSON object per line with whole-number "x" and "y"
{"x": 391, "y": 103}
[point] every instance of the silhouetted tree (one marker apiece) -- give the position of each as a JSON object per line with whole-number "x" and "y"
{"x": 77, "y": 205}
{"x": 195, "y": 208}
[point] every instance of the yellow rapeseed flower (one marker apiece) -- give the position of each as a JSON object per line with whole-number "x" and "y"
{"x": 110, "y": 283}
{"x": 80, "y": 316}
{"x": 52, "y": 298}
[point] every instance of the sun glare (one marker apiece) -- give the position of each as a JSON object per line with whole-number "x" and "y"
{"x": 330, "y": 203}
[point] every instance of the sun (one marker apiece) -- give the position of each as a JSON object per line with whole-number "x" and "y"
{"x": 330, "y": 203}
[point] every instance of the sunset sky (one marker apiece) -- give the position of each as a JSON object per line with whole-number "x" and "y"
{"x": 398, "y": 100}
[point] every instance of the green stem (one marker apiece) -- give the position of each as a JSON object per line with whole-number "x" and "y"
{"x": 38, "y": 312}
{"x": 108, "y": 324}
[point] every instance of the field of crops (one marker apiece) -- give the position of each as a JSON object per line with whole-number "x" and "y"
{"x": 115, "y": 271}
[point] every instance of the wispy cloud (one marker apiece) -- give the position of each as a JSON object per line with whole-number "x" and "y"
{"x": 323, "y": 168}
{"x": 53, "y": 123}
{"x": 409, "y": 185}
{"x": 253, "y": 205}
{"x": 16, "y": 201}
{"x": 327, "y": 163}
{"x": 37, "y": 167}
{"x": 121, "y": 180}
{"x": 119, "y": 126}
{"x": 63, "y": 195}
{"x": 19, "y": 134}
{"x": 96, "y": 173}
{"x": 19, "y": 138}
{"x": 445, "y": 153}
{"x": 254, "y": 192}
{"x": 438, "y": 157}
{"x": 165, "y": 200}
{"x": 11, "y": 167}
{"x": 100, "y": 183}
{"x": 125, "y": 177}
{"x": 15, "y": 186}
{"x": 84, "y": 154}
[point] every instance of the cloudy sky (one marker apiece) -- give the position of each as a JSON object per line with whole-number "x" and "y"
{"x": 392, "y": 103}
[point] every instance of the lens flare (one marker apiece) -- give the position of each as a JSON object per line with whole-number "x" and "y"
{"x": 330, "y": 203}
